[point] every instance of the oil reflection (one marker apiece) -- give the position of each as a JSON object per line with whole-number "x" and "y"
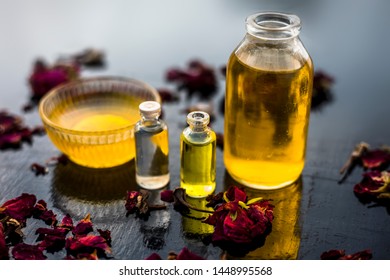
{"x": 284, "y": 240}
{"x": 197, "y": 234}
{"x": 79, "y": 190}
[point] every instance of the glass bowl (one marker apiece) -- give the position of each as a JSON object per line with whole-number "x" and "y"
{"x": 92, "y": 120}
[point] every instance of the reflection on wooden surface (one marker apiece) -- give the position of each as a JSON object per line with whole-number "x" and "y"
{"x": 79, "y": 190}
{"x": 193, "y": 227}
{"x": 284, "y": 240}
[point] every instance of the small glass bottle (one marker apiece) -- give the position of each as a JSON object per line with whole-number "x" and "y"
{"x": 151, "y": 147}
{"x": 198, "y": 156}
{"x": 269, "y": 82}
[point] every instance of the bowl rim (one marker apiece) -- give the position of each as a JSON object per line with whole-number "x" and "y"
{"x": 79, "y": 81}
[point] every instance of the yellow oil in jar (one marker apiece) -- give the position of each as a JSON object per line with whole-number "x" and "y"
{"x": 266, "y": 123}
{"x": 114, "y": 121}
{"x": 198, "y": 166}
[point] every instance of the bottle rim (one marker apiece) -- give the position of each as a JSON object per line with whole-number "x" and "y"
{"x": 198, "y": 118}
{"x": 273, "y": 25}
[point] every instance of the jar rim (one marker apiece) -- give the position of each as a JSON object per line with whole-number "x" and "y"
{"x": 273, "y": 25}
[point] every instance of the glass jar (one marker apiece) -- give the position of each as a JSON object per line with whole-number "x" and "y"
{"x": 269, "y": 84}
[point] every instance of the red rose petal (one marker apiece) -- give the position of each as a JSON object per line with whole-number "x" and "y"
{"x": 167, "y": 196}
{"x": 83, "y": 227}
{"x": 20, "y": 208}
{"x": 3, "y": 247}
{"x": 375, "y": 159}
{"x": 24, "y": 251}
{"x": 186, "y": 254}
{"x": 154, "y": 256}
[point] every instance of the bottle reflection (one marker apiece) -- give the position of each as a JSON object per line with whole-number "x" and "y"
{"x": 196, "y": 233}
{"x": 284, "y": 240}
{"x": 155, "y": 228}
{"x": 79, "y": 190}
{"x": 192, "y": 223}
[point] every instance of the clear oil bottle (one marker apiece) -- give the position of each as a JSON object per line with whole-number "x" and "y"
{"x": 152, "y": 147}
{"x": 198, "y": 156}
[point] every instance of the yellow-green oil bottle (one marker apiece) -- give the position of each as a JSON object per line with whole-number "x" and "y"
{"x": 198, "y": 156}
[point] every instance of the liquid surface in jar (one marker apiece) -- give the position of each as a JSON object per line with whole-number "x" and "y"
{"x": 88, "y": 116}
{"x": 266, "y": 122}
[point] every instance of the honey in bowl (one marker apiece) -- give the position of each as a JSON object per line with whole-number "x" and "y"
{"x": 92, "y": 120}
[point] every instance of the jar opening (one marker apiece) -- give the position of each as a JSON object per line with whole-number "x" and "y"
{"x": 273, "y": 26}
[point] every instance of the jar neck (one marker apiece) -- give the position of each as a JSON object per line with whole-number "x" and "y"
{"x": 272, "y": 26}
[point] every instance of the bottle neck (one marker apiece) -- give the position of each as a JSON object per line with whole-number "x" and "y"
{"x": 271, "y": 26}
{"x": 149, "y": 120}
{"x": 198, "y": 128}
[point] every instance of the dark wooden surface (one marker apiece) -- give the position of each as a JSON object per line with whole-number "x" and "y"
{"x": 347, "y": 39}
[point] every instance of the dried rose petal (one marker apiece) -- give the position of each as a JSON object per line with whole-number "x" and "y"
{"x": 154, "y": 256}
{"x": 63, "y": 159}
{"x": 41, "y": 212}
{"x": 167, "y": 95}
{"x": 167, "y": 196}
{"x": 45, "y": 78}
{"x": 106, "y": 234}
{"x": 83, "y": 227}
{"x": 362, "y": 255}
{"x": 43, "y": 232}
{"x": 66, "y": 223}
{"x": 375, "y": 159}
{"x": 332, "y": 255}
{"x": 186, "y": 254}
{"x": 137, "y": 202}
{"x": 340, "y": 255}
{"x": 3, "y": 247}
{"x": 236, "y": 194}
{"x": 88, "y": 256}
{"x": 235, "y": 221}
{"x": 19, "y": 208}
{"x": 52, "y": 243}
{"x": 24, "y": 251}
{"x": 48, "y": 217}
{"x": 38, "y": 130}
{"x": 214, "y": 200}
{"x": 87, "y": 244}
{"x": 132, "y": 201}
{"x": 372, "y": 184}
{"x": 197, "y": 78}
{"x": 13, "y": 230}
{"x": 39, "y": 169}
{"x": 90, "y": 57}
{"x": 13, "y": 132}
{"x": 53, "y": 239}
{"x": 322, "y": 94}
{"x": 10, "y": 140}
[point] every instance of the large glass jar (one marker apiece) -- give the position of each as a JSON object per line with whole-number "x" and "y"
{"x": 268, "y": 95}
